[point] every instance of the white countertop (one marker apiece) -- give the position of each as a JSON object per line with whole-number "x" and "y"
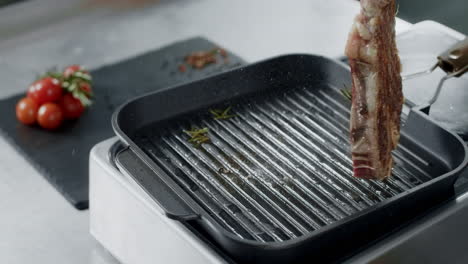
{"x": 37, "y": 224}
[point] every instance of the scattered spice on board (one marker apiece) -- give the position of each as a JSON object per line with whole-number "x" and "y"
{"x": 182, "y": 68}
{"x": 200, "y": 59}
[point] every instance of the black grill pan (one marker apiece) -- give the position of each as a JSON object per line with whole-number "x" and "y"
{"x": 274, "y": 185}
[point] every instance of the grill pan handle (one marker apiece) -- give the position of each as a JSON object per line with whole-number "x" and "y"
{"x": 173, "y": 205}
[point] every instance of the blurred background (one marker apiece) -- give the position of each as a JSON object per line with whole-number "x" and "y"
{"x": 450, "y": 12}
{"x": 98, "y": 32}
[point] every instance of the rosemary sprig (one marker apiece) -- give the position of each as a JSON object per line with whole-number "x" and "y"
{"x": 198, "y": 136}
{"x": 220, "y": 114}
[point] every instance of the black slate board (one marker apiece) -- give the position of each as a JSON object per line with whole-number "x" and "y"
{"x": 62, "y": 156}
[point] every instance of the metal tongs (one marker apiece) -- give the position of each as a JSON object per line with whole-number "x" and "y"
{"x": 453, "y": 61}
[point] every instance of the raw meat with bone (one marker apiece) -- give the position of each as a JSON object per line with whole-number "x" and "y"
{"x": 377, "y": 96}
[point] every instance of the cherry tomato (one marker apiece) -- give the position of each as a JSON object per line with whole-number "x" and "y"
{"x": 72, "y": 107}
{"x": 50, "y": 116}
{"x": 72, "y": 69}
{"x": 26, "y": 111}
{"x": 45, "y": 90}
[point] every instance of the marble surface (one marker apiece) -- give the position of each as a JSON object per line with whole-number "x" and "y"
{"x": 37, "y": 224}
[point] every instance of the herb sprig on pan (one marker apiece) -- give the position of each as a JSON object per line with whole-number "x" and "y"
{"x": 198, "y": 136}
{"x": 220, "y": 114}
{"x": 346, "y": 92}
